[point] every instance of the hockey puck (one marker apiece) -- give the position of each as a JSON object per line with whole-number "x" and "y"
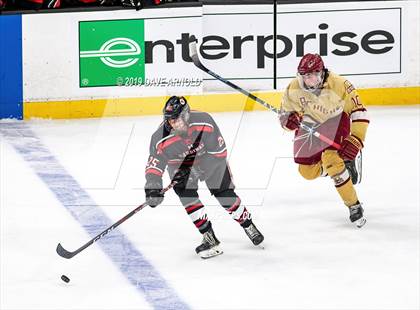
{"x": 65, "y": 278}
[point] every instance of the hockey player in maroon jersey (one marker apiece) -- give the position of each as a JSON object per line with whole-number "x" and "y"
{"x": 330, "y": 105}
{"x": 190, "y": 145}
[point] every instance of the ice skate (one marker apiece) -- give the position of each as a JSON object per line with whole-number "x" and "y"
{"x": 354, "y": 168}
{"x": 356, "y": 215}
{"x": 254, "y": 234}
{"x": 209, "y": 247}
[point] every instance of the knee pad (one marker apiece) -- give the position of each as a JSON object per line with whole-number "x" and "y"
{"x": 223, "y": 192}
{"x": 179, "y": 190}
{"x": 335, "y": 167}
{"x": 332, "y": 163}
{"x": 341, "y": 178}
{"x": 186, "y": 195}
{"x": 225, "y": 197}
{"x": 310, "y": 172}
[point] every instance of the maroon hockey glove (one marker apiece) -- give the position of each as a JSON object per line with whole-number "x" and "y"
{"x": 290, "y": 120}
{"x": 350, "y": 147}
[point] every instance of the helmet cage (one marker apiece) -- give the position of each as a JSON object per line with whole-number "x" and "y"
{"x": 317, "y": 76}
{"x": 311, "y": 72}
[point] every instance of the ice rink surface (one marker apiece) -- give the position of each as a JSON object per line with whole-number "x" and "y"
{"x": 65, "y": 181}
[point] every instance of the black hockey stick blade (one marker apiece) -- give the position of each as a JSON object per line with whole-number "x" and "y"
{"x": 67, "y": 254}
{"x": 64, "y": 253}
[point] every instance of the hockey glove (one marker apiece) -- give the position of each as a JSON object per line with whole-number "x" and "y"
{"x": 290, "y": 120}
{"x": 154, "y": 195}
{"x": 350, "y": 147}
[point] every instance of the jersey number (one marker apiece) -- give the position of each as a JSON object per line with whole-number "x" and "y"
{"x": 152, "y": 163}
{"x": 356, "y": 101}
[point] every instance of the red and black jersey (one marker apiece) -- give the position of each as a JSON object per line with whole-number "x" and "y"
{"x": 202, "y": 139}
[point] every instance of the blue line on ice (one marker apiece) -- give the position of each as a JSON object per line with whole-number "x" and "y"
{"x": 77, "y": 201}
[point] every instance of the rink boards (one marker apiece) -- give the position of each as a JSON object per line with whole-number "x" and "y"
{"x": 117, "y": 63}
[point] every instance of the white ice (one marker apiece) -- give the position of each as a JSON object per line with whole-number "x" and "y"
{"x": 314, "y": 258}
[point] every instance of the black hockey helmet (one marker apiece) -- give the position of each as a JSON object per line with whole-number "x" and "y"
{"x": 174, "y": 108}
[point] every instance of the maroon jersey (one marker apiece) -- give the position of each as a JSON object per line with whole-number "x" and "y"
{"x": 308, "y": 150}
{"x": 202, "y": 139}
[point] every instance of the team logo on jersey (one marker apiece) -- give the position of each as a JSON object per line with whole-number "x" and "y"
{"x": 303, "y": 101}
{"x": 192, "y": 150}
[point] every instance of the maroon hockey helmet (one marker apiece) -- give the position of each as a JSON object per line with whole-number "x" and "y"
{"x": 311, "y": 72}
{"x": 310, "y": 63}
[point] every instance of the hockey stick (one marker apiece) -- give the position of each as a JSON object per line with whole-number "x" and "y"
{"x": 198, "y": 64}
{"x": 67, "y": 254}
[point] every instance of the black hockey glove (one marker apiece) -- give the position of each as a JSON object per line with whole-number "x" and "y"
{"x": 154, "y": 195}
{"x": 132, "y": 3}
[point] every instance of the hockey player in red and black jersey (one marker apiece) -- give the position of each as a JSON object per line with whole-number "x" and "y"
{"x": 189, "y": 144}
